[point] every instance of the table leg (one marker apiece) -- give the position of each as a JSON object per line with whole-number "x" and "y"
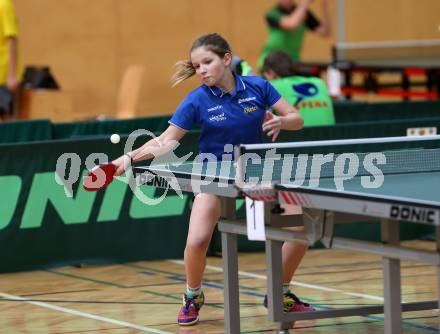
{"x": 437, "y": 240}
{"x": 231, "y": 290}
{"x": 391, "y": 274}
{"x": 275, "y": 285}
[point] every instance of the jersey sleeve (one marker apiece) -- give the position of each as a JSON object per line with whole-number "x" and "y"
{"x": 185, "y": 116}
{"x": 273, "y": 18}
{"x": 8, "y": 20}
{"x": 271, "y": 94}
{"x": 311, "y": 21}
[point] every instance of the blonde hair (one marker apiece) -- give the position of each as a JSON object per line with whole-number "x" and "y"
{"x": 185, "y": 70}
{"x": 212, "y": 42}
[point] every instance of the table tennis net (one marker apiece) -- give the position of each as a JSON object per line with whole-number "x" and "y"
{"x": 289, "y": 167}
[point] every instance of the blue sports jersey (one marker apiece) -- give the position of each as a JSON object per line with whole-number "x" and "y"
{"x": 225, "y": 118}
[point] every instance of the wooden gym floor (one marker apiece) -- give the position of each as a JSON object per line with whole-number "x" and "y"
{"x": 144, "y": 297}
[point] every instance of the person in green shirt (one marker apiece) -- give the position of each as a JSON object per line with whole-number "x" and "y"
{"x": 309, "y": 95}
{"x": 287, "y": 23}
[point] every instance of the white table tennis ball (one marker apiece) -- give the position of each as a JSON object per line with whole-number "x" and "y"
{"x": 115, "y": 138}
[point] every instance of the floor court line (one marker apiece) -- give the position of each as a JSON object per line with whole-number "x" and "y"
{"x": 60, "y": 273}
{"x": 57, "y": 292}
{"x": 90, "y": 302}
{"x": 84, "y": 315}
{"x": 301, "y": 284}
{"x": 183, "y": 279}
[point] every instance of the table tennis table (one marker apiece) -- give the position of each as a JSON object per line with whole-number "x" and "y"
{"x": 408, "y": 59}
{"x": 329, "y": 194}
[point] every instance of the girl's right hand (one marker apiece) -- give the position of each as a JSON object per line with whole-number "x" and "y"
{"x": 122, "y": 164}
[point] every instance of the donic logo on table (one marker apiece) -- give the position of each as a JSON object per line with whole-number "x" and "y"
{"x": 413, "y": 213}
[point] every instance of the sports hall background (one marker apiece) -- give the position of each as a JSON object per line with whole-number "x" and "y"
{"x": 89, "y": 44}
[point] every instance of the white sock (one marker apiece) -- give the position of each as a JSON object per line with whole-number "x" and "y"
{"x": 286, "y": 287}
{"x": 193, "y": 291}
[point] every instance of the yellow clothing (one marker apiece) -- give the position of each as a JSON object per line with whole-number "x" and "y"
{"x": 8, "y": 28}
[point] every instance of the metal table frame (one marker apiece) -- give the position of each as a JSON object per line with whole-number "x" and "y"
{"x": 319, "y": 225}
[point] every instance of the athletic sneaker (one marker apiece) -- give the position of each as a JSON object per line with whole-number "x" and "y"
{"x": 189, "y": 313}
{"x": 292, "y": 303}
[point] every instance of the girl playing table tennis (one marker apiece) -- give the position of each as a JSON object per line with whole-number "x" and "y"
{"x": 230, "y": 109}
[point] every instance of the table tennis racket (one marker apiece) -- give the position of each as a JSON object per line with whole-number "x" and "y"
{"x": 99, "y": 177}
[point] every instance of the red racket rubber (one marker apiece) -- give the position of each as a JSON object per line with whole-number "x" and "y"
{"x": 99, "y": 177}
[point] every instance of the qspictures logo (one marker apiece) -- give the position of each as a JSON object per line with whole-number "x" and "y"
{"x": 296, "y": 170}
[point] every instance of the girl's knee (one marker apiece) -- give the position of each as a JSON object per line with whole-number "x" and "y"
{"x": 197, "y": 244}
